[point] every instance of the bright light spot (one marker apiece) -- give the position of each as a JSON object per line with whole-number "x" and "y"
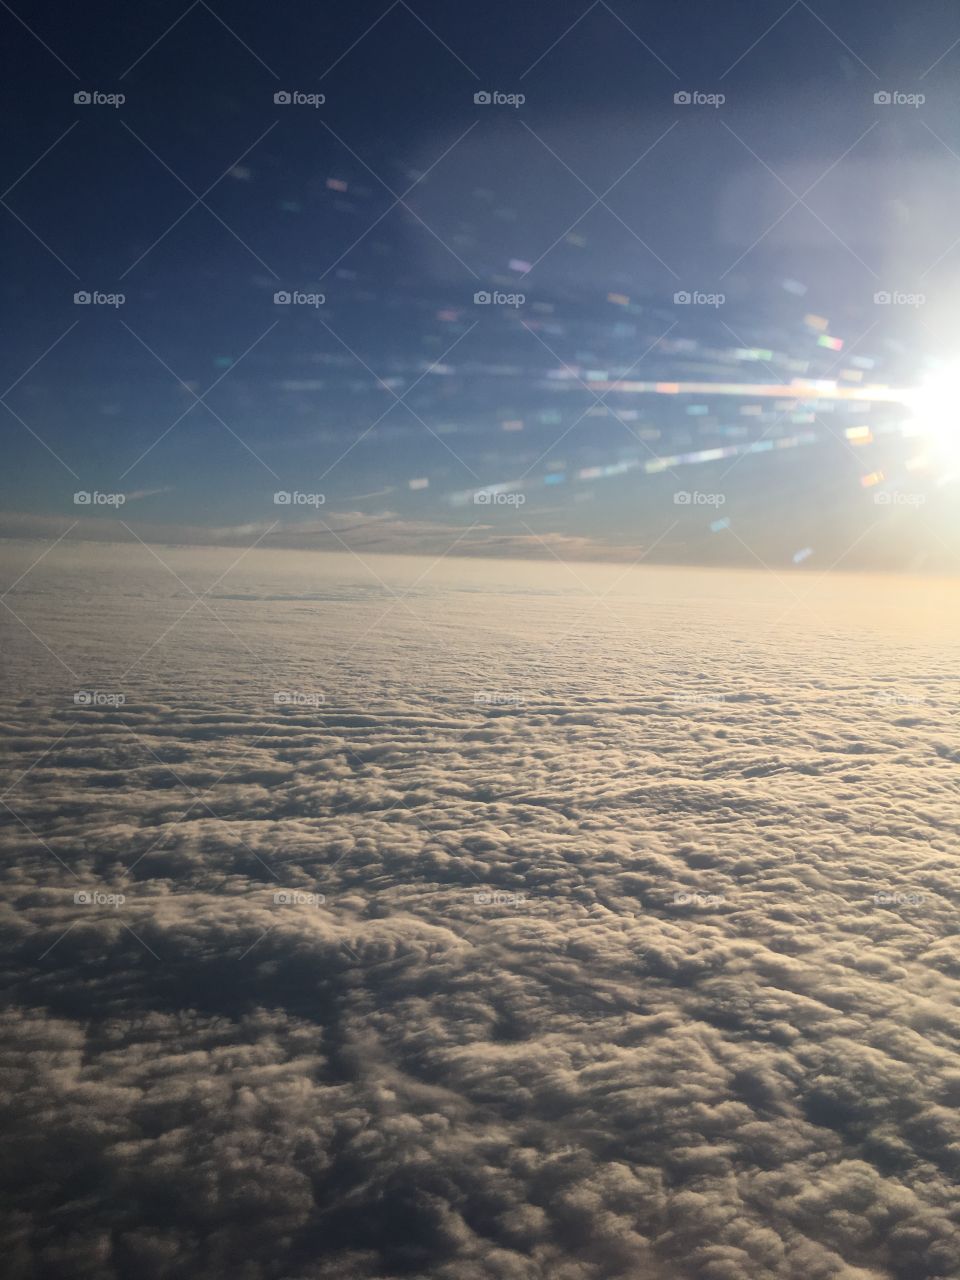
{"x": 935, "y": 412}
{"x": 859, "y": 435}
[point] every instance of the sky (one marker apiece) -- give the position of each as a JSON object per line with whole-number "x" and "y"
{"x": 630, "y": 158}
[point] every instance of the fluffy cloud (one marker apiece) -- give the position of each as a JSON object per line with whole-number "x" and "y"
{"x": 557, "y": 939}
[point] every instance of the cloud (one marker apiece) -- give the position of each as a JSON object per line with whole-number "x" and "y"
{"x": 383, "y": 532}
{"x": 640, "y": 965}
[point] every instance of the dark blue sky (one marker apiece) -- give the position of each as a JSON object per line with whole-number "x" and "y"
{"x": 598, "y": 199}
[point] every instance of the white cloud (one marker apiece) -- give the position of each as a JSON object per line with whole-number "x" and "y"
{"x": 600, "y": 985}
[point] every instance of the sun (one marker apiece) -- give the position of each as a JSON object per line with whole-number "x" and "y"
{"x": 935, "y": 415}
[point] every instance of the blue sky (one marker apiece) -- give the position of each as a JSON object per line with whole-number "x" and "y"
{"x": 782, "y": 190}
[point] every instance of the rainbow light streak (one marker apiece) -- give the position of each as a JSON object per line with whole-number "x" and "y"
{"x": 799, "y": 389}
{"x": 652, "y": 466}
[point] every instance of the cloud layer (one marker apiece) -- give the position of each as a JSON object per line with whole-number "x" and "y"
{"x": 474, "y": 926}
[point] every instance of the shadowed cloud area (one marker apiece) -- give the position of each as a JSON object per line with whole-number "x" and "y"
{"x": 470, "y": 920}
